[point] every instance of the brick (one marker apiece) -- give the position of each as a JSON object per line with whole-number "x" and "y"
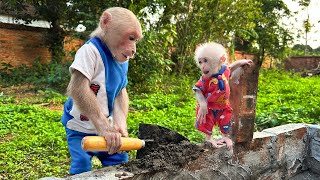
{"x": 300, "y": 64}
{"x": 22, "y": 45}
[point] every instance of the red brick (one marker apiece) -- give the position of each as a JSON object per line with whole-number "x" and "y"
{"x": 22, "y": 45}
{"x": 299, "y": 64}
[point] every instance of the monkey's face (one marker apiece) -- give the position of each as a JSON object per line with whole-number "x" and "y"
{"x": 123, "y": 46}
{"x": 121, "y": 32}
{"x": 209, "y": 66}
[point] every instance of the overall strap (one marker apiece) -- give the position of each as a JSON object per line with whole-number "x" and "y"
{"x": 115, "y": 73}
{"x": 219, "y": 77}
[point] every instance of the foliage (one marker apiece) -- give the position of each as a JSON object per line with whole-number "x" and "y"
{"x": 287, "y": 98}
{"x": 151, "y": 62}
{"x": 211, "y": 21}
{"x": 52, "y": 75}
{"x": 299, "y": 50}
{"x": 269, "y": 37}
{"x": 32, "y": 143}
{"x": 167, "y": 28}
{"x": 273, "y": 38}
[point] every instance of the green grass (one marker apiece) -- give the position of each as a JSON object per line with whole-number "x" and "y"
{"x": 32, "y": 139}
{"x": 32, "y": 143}
{"x": 287, "y": 98}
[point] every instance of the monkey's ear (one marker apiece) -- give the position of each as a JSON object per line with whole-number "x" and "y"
{"x": 105, "y": 20}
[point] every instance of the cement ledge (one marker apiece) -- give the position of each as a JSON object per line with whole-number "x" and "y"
{"x": 288, "y": 151}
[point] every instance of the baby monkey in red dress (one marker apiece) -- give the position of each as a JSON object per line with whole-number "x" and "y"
{"x": 213, "y": 91}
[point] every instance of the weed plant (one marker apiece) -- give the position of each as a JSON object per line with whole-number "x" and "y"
{"x": 285, "y": 97}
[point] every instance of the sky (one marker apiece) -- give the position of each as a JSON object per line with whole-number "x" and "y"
{"x": 314, "y": 15}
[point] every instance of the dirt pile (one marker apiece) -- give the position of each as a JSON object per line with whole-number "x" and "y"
{"x": 168, "y": 151}
{"x": 171, "y": 157}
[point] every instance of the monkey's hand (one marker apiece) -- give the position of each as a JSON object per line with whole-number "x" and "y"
{"x": 239, "y": 68}
{"x": 113, "y": 139}
{"x": 244, "y": 62}
{"x": 120, "y": 124}
{"x": 240, "y": 64}
{"x": 226, "y": 139}
{"x": 202, "y": 113}
{"x": 203, "y": 110}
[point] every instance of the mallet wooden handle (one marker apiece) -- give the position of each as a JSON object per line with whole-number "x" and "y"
{"x": 99, "y": 143}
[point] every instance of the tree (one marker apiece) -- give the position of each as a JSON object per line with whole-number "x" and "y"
{"x": 270, "y": 37}
{"x": 299, "y": 50}
{"x": 175, "y": 28}
{"x": 307, "y": 28}
{"x": 192, "y": 22}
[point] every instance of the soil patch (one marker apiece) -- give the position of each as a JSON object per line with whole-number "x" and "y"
{"x": 168, "y": 151}
{"x": 171, "y": 157}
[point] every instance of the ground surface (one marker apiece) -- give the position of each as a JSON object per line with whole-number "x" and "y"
{"x": 27, "y": 94}
{"x": 168, "y": 151}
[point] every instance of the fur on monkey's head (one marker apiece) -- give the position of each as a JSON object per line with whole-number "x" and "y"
{"x": 120, "y": 30}
{"x": 211, "y": 50}
{"x": 117, "y": 18}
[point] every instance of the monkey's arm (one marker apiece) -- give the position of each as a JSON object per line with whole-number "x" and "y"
{"x": 237, "y": 69}
{"x": 203, "y": 111}
{"x": 236, "y": 74}
{"x": 85, "y": 99}
{"x": 120, "y": 112}
{"x": 240, "y": 63}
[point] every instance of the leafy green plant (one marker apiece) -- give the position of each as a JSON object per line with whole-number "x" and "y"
{"x": 284, "y": 98}
{"x": 32, "y": 139}
{"x": 31, "y": 142}
{"x": 52, "y": 75}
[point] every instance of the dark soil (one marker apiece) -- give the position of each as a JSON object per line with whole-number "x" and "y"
{"x": 171, "y": 157}
{"x": 168, "y": 151}
{"x": 159, "y": 136}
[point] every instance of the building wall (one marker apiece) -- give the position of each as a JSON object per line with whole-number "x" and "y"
{"x": 242, "y": 55}
{"x": 71, "y": 45}
{"x": 299, "y": 64}
{"x": 22, "y": 45}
